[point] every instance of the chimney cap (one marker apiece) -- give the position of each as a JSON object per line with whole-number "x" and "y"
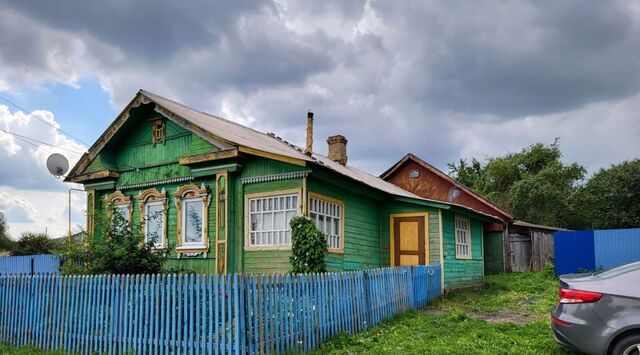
{"x": 309, "y": 114}
{"x": 337, "y": 139}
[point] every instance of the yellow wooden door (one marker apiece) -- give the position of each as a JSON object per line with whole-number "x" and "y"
{"x": 409, "y": 241}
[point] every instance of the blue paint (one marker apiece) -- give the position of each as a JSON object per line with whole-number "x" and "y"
{"x": 577, "y": 251}
{"x": 573, "y": 251}
{"x": 615, "y": 247}
{"x": 204, "y": 314}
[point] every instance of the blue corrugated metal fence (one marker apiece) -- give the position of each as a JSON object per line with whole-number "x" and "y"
{"x": 577, "y": 251}
{"x": 614, "y": 247}
{"x": 573, "y": 251}
{"x": 205, "y": 313}
{"x": 30, "y": 264}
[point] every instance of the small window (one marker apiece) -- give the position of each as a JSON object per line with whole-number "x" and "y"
{"x": 269, "y": 220}
{"x": 414, "y": 173}
{"x": 463, "y": 238}
{"x": 193, "y": 222}
{"x": 154, "y": 223}
{"x": 158, "y": 131}
{"x": 122, "y": 210}
{"x": 328, "y": 218}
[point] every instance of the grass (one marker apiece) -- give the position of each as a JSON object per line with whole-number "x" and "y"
{"x": 11, "y": 350}
{"x": 510, "y": 314}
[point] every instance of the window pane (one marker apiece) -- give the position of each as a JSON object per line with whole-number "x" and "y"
{"x": 154, "y": 223}
{"x": 193, "y": 225}
{"x": 269, "y": 222}
{"x": 123, "y": 210}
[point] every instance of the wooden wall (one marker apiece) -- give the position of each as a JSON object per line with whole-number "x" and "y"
{"x": 462, "y": 272}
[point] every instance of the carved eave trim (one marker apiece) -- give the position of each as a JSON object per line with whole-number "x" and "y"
{"x": 275, "y": 177}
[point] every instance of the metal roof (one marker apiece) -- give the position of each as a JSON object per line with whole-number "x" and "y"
{"x": 228, "y": 130}
{"x": 536, "y": 226}
{"x": 232, "y": 133}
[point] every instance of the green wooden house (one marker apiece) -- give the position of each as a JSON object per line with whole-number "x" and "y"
{"x": 219, "y": 197}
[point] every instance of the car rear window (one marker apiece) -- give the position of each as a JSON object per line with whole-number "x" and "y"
{"x": 619, "y": 270}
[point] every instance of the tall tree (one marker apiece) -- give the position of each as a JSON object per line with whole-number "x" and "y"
{"x": 610, "y": 199}
{"x": 534, "y": 184}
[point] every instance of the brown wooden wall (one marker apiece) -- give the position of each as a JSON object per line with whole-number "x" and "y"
{"x": 432, "y": 186}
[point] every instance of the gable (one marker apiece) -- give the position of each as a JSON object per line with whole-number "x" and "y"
{"x": 433, "y": 184}
{"x": 133, "y": 145}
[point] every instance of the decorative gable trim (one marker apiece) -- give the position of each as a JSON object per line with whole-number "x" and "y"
{"x": 155, "y": 183}
{"x": 139, "y": 99}
{"x": 275, "y": 177}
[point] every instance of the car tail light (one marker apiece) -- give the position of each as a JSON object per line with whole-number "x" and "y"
{"x": 566, "y": 295}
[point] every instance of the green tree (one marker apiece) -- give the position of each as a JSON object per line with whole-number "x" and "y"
{"x": 34, "y": 243}
{"x": 6, "y": 244}
{"x": 534, "y": 184}
{"x": 610, "y": 199}
{"x": 120, "y": 248}
{"x": 308, "y": 246}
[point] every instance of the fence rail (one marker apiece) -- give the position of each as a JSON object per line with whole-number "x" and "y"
{"x": 206, "y": 314}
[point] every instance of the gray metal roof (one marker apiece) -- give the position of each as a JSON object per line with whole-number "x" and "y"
{"x": 244, "y": 136}
{"x": 228, "y": 130}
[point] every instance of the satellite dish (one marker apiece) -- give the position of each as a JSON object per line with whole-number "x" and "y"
{"x": 57, "y": 164}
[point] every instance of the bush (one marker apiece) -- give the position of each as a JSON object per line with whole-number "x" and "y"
{"x": 119, "y": 249}
{"x": 33, "y": 243}
{"x": 309, "y": 246}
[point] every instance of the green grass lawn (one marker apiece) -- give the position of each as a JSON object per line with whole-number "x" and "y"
{"x": 509, "y": 315}
{"x": 10, "y": 350}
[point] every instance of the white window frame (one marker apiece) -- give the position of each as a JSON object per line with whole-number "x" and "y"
{"x": 330, "y": 202}
{"x": 249, "y": 246}
{"x": 153, "y": 197}
{"x": 462, "y": 245}
{"x": 159, "y": 244}
{"x": 201, "y": 243}
{"x": 183, "y": 195}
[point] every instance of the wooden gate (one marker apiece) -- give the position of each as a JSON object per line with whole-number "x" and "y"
{"x": 520, "y": 252}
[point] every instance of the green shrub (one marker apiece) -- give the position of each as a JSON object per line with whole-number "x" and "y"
{"x": 309, "y": 247}
{"x": 33, "y": 243}
{"x": 119, "y": 249}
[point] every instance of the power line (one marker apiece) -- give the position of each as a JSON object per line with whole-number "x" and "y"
{"x": 28, "y": 139}
{"x": 44, "y": 121}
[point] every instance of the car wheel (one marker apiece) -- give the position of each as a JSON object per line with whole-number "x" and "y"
{"x": 629, "y": 345}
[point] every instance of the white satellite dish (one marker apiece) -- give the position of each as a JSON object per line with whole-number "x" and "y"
{"x": 57, "y": 164}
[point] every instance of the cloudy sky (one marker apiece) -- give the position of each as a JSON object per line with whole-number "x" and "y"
{"x": 441, "y": 79}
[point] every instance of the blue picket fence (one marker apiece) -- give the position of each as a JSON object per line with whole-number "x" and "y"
{"x": 241, "y": 314}
{"x": 30, "y": 264}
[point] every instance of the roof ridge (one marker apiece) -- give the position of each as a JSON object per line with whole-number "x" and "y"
{"x": 145, "y": 92}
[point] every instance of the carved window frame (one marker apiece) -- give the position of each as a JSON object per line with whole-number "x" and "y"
{"x": 150, "y": 196}
{"x": 182, "y": 195}
{"x": 117, "y": 198}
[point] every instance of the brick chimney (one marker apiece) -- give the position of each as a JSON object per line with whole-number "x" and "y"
{"x": 338, "y": 149}
{"x": 309, "y": 149}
